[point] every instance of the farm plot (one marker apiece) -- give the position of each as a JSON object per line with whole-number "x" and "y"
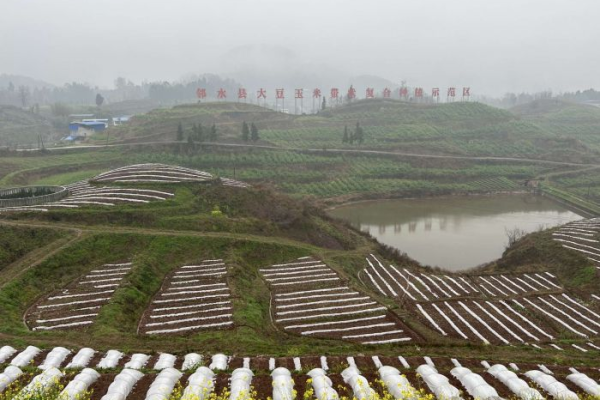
{"x": 157, "y": 173}
{"x": 83, "y": 194}
{"x": 124, "y": 376}
{"x": 192, "y": 298}
{"x": 505, "y": 285}
{"x": 392, "y": 281}
{"x": 309, "y": 298}
{"x": 77, "y": 306}
{"x": 565, "y": 312}
{"x": 497, "y": 322}
{"x": 581, "y": 236}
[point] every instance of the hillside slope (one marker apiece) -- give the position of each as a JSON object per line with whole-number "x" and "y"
{"x": 460, "y": 129}
{"x": 18, "y": 126}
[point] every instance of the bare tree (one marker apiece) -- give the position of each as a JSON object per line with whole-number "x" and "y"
{"x": 514, "y": 235}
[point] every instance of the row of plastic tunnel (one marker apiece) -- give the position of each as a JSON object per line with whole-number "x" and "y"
{"x": 201, "y": 383}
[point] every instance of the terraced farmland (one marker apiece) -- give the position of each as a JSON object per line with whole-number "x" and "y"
{"x": 582, "y": 237}
{"x": 77, "y": 306}
{"x": 192, "y": 298}
{"x": 500, "y": 309}
{"x": 309, "y": 298}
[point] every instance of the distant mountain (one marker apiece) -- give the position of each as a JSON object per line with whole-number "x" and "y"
{"x": 19, "y": 80}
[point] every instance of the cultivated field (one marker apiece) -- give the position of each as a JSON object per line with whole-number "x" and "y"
{"x": 88, "y": 374}
{"x": 77, "y": 306}
{"x": 193, "y": 297}
{"x": 309, "y": 298}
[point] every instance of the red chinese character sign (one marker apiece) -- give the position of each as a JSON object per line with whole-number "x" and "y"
{"x": 201, "y": 93}
{"x": 387, "y": 93}
{"x": 261, "y": 94}
{"x": 403, "y": 92}
{"x": 279, "y": 95}
{"x": 451, "y": 93}
{"x": 298, "y": 95}
{"x": 370, "y": 93}
{"x": 466, "y": 93}
{"x": 351, "y": 93}
{"x": 316, "y": 94}
{"x": 222, "y": 94}
{"x": 435, "y": 93}
{"x": 242, "y": 94}
{"x": 418, "y": 92}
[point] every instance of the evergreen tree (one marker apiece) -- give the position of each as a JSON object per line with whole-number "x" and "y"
{"x": 254, "y": 133}
{"x": 345, "y": 138}
{"x": 213, "y": 133}
{"x": 359, "y": 134}
{"x": 179, "y": 132}
{"x": 200, "y": 133}
{"x": 245, "y": 132}
{"x": 99, "y": 100}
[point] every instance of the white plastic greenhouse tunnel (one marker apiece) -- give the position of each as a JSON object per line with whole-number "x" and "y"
{"x": 359, "y": 384}
{"x": 438, "y": 384}
{"x": 241, "y": 379}
{"x": 474, "y": 383}
{"x": 200, "y": 385}
{"x": 322, "y": 385}
{"x": 163, "y": 385}
{"x": 122, "y": 385}
{"x": 77, "y": 387}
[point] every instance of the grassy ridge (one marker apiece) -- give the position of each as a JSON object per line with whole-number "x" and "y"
{"x": 16, "y": 242}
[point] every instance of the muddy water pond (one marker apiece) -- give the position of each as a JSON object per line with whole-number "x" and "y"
{"x": 455, "y": 233}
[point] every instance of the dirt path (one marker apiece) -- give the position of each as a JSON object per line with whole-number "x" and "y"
{"x": 37, "y": 256}
{"x": 338, "y": 151}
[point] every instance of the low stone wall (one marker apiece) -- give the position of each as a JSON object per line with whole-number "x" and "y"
{"x": 59, "y": 192}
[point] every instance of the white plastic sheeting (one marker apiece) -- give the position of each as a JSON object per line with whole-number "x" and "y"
{"x": 219, "y": 361}
{"x": 82, "y": 358}
{"x": 404, "y": 362}
{"x": 241, "y": 378}
{"x": 359, "y": 384}
{"x": 474, "y": 383}
{"x": 5, "y": 353}
{"x": 162, "y": 386}
{"x": 190, "y": 361}
{"x": 55, "y": 358}
{"x": 586, "y": 383}
{"x": 120, "y": 388}
{"x": 324, "y": 365}
{"x": 40, "y": 384}
{"x": 110, "y": 360}
{"x": 8, "y": 376}
{"x": 283, "y": 384}
{"x": 396, "y": 384}
{"x": 515, "y": 384}
{"x": 438, "y": 384}
{"x": 551, "y": 385}
{"x": 75, "y": 389}
{"x": 165, "y": 360}
{"x": 23, "y": 358}
{"x": 137, "y": 361}
{"x": 297, "y": 364}
{"x": 200, "y": 385}
{"x": 322, "y": 385}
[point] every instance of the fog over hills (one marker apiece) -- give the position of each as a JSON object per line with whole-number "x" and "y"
{"x": 493, "y": 47}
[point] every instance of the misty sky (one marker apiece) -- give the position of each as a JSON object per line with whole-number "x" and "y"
{"x": 492, "y": 46}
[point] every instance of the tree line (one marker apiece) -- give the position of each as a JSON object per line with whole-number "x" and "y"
{"x": 355, "y": 136}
